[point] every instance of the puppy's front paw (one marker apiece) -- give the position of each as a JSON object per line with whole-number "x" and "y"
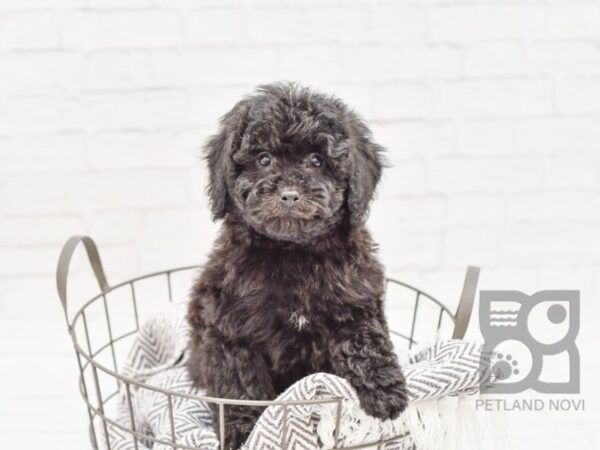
{"x": 237, "y": 434}
{"x": 386, "y": 403}
{"x": 239, "y": 424}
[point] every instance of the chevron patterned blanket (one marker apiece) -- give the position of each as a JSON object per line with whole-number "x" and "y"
{"x": 442, "y": 383}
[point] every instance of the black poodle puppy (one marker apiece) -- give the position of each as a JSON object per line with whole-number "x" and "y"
{"x": 292, "y": 286}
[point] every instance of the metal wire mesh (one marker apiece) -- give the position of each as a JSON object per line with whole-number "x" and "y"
{"x": 98, "y": 349}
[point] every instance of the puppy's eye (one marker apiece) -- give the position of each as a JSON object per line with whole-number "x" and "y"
{"x": 315, "y": 160}
{"x": 264, "y": 159}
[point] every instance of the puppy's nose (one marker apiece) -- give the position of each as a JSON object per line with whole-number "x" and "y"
{"x": 289, "y": 196}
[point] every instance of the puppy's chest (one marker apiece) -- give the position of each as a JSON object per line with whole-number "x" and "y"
{"x": 292, "y": 308}
{"x": 298, "y": 310}
{"x": 288, "y": 298}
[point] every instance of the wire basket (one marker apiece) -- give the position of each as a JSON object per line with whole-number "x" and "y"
{"x": 103, "y": 328}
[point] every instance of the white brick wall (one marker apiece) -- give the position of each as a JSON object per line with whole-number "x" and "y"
{"x": 490, "y": 111}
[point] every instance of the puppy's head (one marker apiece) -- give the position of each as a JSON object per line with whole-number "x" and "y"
{"x": 293, "y": 164}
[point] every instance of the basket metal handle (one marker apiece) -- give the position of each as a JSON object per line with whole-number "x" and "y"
{"x": 465, "y": 306}
{"x": 64, "y": 261}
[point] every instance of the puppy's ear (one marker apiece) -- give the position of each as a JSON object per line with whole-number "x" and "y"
{"x": 367, "y": 161}
{"x": 218, "y": 153}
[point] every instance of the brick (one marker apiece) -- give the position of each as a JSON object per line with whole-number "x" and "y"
{"x": 194, "y": 4}
{"x": 579, "y": 94}
{"x": 111, "y": 149}
{"x": 126, "y": 189}
{"x": 470, "y": 246}
{"x": 297, "y": 24}
{"x": 215, "y": 25}
{"x": 28, "y": 261}
{"x": 558, "y": 135}
{"x": 325, "y": 23}
{"x": 487, "y": 137}
{"x": 558, "y": 56}
{"x": 277, "y": 24}
{"x": 564, "y": 278}
{"x": 5, "y": 143}
{"x": 137, "y": 109}
{"x": 178, "y": 149}
{"x": 168, "y": 222}
{"x": 30, "y": 71}
{"x": 406, "y": 251}
{"x": 43, "y": 193}
{"x": 495, "y": 97}
{"x": 416, "y": 139}
{"x": 123, "y": 29}
{"x": 122, "y": 261}
{"x": 494, "y": 58}
{"x": 574, "y": 19}
{"x": 3, "y": 199}
{"x": 355, "y": 95}
{"x": 30, "y": 5}
{"x": 217, "y": 65}
{"x": 117, "y": 227}
{"x": 60, "y": 152}
{"x": 197, "y": 179}
{"x": 462, "y": 22}
{"x": 431, "y": 61}
{"x": 326, "y": 63}
{"x": 404, "y": 178}
{"x": 476, "y": 210}
{"x": 30, "y": 30}
{"x": 575, "y": 171}
{"x": 207, "y": 104}
{"x": 160, "y": 149}
{"x": 110, "y": 69}
{"x": 372, "y": 61}
{"x": 542, "y": 245}
{"x": 483, "y": 175}
{"x": 162, "y": 239}
{"x": 22, "y": 297}
{"x": 524, "y": 279}
{"x": 398, "y": 22}
{"x": 409, "y": 214}
{"x": 41, "y": 113}
{"x": 114, "y": 4}
{"x": 39, "y": 230}
{"x": 385, "y": 62}
{"x": 401, "y": 100}
{"x": 552, "y": 206}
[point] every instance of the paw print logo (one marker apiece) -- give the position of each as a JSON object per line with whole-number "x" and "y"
{"x": 505, "y": 367}
{"x": 545, "y": 326}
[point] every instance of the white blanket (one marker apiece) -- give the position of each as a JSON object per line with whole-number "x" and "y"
{"x": 442, "y": 383}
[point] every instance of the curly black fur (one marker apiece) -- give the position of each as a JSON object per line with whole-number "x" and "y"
{"x": 292, "y": 286}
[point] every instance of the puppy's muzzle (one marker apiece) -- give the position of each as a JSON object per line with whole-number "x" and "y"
{"x": 289, "y": 197}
